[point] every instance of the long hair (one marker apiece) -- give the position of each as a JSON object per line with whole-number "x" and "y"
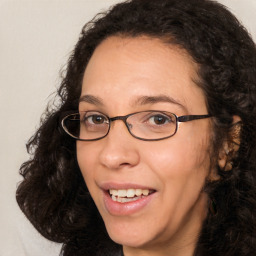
{"x": 53, "y": 194}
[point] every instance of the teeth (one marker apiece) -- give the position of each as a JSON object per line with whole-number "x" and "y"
{"x": 125, "y": 199}
{"x": 113, "y": 192}
{"x": 121, "y": 193}
{"x": 138, "y": 192}
{"x": 128, "y": 193}
{"x": 145, "y": 192}
{"x": 113, "y": 198}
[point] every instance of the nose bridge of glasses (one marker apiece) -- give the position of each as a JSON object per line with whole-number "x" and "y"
{"x": 122, "y": 118}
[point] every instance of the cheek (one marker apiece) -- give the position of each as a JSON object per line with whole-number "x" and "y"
{"x": 181, "y": 158}
{"x": 185, "y": 155}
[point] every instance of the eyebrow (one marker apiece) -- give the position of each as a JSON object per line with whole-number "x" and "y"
{"x": 91, "y": 99}
{"x": 144, "y": 100}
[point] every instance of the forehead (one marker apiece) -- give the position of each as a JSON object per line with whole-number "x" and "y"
{"x": 123, "y": 69}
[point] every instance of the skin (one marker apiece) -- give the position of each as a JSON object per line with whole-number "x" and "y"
{"x": 120, "y": 71}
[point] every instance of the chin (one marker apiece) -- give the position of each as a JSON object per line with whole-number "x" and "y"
{"x": 130, "y": 237}
{"x": 130, "y": 242}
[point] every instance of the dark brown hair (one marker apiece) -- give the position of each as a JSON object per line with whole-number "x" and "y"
{"x": 53, "y": 194}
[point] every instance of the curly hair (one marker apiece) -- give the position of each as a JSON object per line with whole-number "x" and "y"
{"x": 53, "y": 194}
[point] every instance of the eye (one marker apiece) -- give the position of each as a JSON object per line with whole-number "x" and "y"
{"x": 94, "y": 118}
{"x": 160, "y": 119}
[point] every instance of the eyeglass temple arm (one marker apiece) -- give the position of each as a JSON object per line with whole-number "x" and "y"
{"x": 191, "y": 117}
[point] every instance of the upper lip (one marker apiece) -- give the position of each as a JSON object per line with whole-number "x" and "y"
{"x": 116, "y": 185}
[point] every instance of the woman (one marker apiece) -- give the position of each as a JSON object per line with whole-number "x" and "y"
{"x": 151, "y": 150}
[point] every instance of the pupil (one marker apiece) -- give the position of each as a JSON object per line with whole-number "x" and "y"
{"x": 97, "y": 120}
{"x": 159, "y": 120}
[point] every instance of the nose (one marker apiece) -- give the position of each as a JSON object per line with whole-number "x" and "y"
{"x": 119, "y": 148}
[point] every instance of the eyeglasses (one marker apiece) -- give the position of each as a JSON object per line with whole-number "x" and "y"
{"x": 145, "y": 125}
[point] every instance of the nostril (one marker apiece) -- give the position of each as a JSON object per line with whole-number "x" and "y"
{"x": 124, "y": 164}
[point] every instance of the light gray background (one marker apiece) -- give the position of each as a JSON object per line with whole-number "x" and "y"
{"x": 36, "y": 38}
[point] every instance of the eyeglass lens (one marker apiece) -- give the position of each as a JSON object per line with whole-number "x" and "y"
{"x": 148, "y": 125}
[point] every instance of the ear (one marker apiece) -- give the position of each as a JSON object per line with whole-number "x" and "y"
{"x": 230, "y": 145}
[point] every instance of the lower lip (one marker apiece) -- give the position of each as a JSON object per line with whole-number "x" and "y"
{"x": 116, "y": 208}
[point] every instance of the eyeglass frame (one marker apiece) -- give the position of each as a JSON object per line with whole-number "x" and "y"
{"x": 179, "y": 119}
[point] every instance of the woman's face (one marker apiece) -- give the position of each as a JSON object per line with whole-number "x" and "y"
{"x": 127, "y": 75}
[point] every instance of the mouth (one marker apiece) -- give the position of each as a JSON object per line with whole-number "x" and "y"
{"x": 129, "y": 195}
{"x": 123, "y": 199}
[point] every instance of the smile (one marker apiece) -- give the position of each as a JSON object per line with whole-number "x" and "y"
{"x": 128, "y": 195}
{"x": 122, "y": 199}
